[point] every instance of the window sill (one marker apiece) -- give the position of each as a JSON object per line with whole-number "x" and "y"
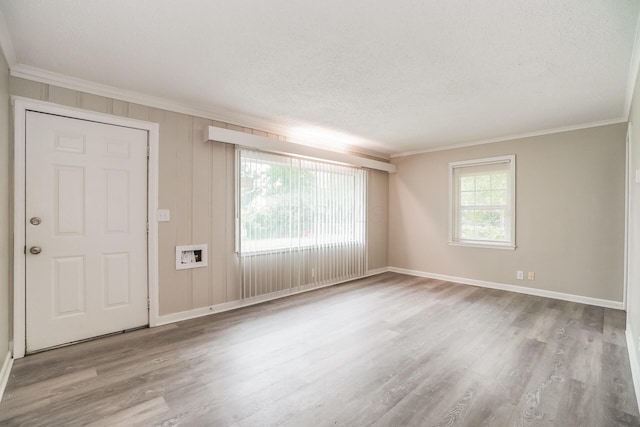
{"x": 502, "y": 246}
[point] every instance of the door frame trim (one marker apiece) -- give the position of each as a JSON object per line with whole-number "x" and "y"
{"x": 20, "y": 107}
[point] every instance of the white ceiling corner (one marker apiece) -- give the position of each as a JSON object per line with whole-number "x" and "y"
{"x": 386, "y": 77}
{"x": 510, "y": 137}
{"x": 5, "y": 43}
{"x": 633, "y": 72}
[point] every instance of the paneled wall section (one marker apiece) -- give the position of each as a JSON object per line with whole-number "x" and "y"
{"x": 197, "y": 186}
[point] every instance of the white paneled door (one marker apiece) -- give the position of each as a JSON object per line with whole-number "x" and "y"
{"x": 86, "y": 229}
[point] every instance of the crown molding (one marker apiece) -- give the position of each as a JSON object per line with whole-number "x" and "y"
{"x": 633, "y": 72}
{"x": 48, "y": 77}
{"x": 512, "y": 137}
{"x": 238, "y": 119}
{"x": 5, "y": 42}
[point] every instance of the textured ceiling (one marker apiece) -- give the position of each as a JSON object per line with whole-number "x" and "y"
{"x": 386, "y": 75}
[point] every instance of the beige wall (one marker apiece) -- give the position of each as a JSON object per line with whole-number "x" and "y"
{"x": 4, "y": 212}
{"x": 197, "y": 186}
{"x": 633, "y": 296}
{"x": 570, "y": 214}
{"x": 377, "y": 221}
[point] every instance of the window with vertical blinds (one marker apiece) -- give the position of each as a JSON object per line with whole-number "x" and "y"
{"x": 301, "y": 222}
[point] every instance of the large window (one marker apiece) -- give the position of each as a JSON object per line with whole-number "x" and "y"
{"x": 483, "y": 202}
{"x": 288, "y": 203}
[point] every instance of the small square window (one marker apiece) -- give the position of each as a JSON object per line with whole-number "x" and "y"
{"x": 483, "y": 202}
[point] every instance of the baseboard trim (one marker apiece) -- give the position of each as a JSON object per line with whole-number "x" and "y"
{"x": 233, "y": 305}
{"x": 513, "y": 288}
{"x": 375, "y": 271}
{"x": 633, "y": 361}
{"x": 5, "y": 372}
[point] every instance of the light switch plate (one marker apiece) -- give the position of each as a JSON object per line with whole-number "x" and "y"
{"x": 163, "y": 215}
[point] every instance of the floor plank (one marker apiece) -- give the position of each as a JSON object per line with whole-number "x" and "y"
{"x": 386, "y": 350}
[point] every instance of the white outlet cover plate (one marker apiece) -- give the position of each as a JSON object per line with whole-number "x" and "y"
{"x": 163, "y": 215}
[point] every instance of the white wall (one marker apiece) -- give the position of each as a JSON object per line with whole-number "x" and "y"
{"x": 633, "y": 280}
{"x": 5, "y": 322}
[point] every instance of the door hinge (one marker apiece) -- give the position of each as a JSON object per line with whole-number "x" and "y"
{"x": 25, "y": 250}
{"x": 147, "y": 227}
{"x": 148, "y": 151}
{"x": 148, "y": 304}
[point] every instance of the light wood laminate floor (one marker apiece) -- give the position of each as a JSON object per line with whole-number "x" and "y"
{"x": 389, "y": 350}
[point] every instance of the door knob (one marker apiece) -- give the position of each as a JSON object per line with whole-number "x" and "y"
{"x": 35, "y": 221}
{"x": 35, "y": 250}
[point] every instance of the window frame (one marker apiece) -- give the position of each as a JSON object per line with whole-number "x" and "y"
{"x": 454, "y": 208}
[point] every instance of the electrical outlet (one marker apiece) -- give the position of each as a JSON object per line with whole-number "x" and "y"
{"x": 520, "y": 275}
{"x": 531, "y": 275}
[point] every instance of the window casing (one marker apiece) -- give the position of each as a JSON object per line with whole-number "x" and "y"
{"x": 483, "y": 198}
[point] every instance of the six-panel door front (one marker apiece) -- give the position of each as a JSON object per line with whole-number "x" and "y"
{"x": 86, "y": 183}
